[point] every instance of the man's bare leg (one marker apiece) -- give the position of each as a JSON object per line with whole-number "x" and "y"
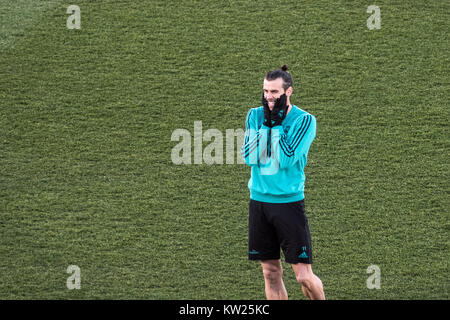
{"x": 273, "y": 278}
{"x": 306, "y": 293}
{"x": 311, "y": 284}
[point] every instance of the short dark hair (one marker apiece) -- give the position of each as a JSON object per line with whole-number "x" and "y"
{"x": 281, "y": 73}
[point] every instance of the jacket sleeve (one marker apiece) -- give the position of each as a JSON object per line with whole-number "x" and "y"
{"x": 255, "y": 144}
{"x": 290, "y": 149}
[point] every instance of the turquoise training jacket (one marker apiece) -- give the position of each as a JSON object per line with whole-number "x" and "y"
{"x": 277, "y": 156}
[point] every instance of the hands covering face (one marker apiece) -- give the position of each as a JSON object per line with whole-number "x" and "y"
{"x": 275, "y": 116}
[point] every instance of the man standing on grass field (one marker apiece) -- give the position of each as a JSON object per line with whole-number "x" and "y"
{"x": 277, "y": 139}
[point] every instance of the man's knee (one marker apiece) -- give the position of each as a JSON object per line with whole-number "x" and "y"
{"x": 272, "y": 273}
{"x": 305, "y": 279}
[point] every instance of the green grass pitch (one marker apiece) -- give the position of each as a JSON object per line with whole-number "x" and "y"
{"x": 86, "y": 117}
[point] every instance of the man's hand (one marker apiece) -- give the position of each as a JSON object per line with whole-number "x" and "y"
{"x": 279, "y": 111}
{"x": 267, "y": 113}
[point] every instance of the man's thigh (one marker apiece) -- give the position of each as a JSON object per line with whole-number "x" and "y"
{"x": 262, "y": 238}
{"x": 291, "y": 227}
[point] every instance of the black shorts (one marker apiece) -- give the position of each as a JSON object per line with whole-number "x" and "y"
{"x": 275, "y": 225}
